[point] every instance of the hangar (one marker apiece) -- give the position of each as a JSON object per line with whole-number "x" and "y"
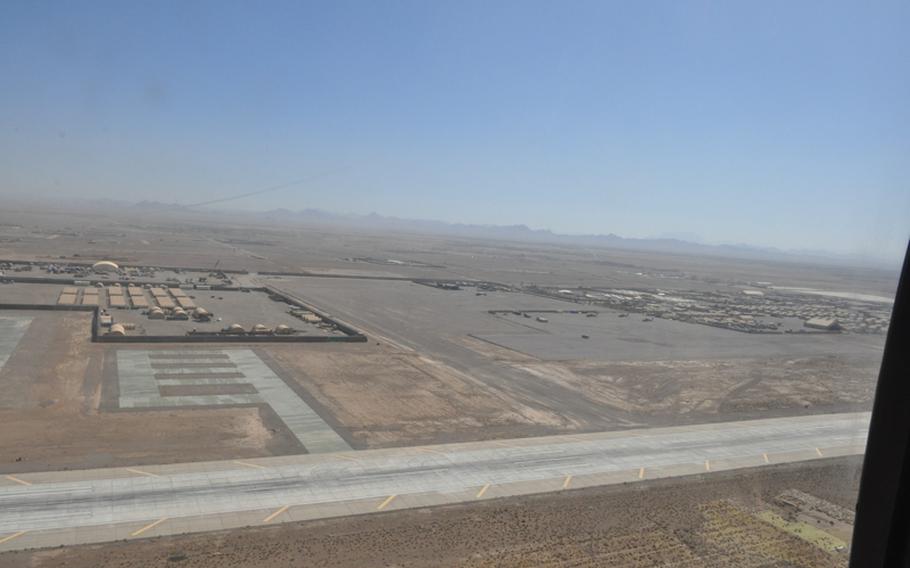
{"x": 105, "y": 266}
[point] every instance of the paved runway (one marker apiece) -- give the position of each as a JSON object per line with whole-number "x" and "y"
{"x": 106, "y": 504}
{"x": 142, "y": 373}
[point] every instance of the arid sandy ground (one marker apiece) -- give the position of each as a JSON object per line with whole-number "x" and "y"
{"x": 432, "y": 373}
{"x": 425, "y": 376}
{"x": 385, "y": 397}
{"x": 52, "y": 415}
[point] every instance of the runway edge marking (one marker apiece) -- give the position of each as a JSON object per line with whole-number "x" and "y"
{"x": 148, "y": 527}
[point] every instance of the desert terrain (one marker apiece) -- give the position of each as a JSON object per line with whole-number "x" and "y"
{"x": 396, "y": 340}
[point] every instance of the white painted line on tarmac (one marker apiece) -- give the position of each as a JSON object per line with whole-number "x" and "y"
{"x": 140, "y": 472}
{"x": 641, "y": 473}
{"x": 565, "y": 484}
{"x": 819, "y": 452}
{"x": 765, "y": 457}
{"x": 482, "y": 491}
{"x": 707, "y": 465}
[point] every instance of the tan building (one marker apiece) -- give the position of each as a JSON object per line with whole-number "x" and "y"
{"x": 823, "y": 323}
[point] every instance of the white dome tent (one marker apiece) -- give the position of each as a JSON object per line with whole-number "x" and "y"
{"x": 105, "y": 266}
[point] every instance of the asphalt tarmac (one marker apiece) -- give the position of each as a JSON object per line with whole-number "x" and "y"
{"x": 44, "y": 509}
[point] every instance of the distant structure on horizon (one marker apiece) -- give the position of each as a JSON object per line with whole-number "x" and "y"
{"x": 105, "y": 266}
{"x": 823, "y": 323}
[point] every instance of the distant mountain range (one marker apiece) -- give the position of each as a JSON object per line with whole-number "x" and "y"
{"x": 526, "y": 234}
{"x": 669, "y": 243}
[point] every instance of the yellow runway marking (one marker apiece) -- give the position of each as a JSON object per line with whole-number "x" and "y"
{"x": 483, "y": 490}
{"x": 349, "y": 458}
{"x": 147, "y": 527}
{"x": 275, "y": 514}
{"x": 12, "y": 536}
{"x": 707, "y": 465}
{"x": 819, "y": 452}
{"x": 641, "y": 473}
{"x": 565, "y": 484}
{"x": 429, "y": 451}
{"x": 17, "y": 480}
{"x": 140, "y": 472}
{"x": 765, "y": 457}
{"x": 385, "y": 503}
{"x": 257, "y": 466}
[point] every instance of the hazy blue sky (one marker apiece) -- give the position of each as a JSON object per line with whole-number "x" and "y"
{"x": 774, "y": 123}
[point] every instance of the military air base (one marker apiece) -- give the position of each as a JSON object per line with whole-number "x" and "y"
{"x": 204, "y": 372}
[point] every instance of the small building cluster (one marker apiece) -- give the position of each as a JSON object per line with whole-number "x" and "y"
{"x": 750, "y": 311}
